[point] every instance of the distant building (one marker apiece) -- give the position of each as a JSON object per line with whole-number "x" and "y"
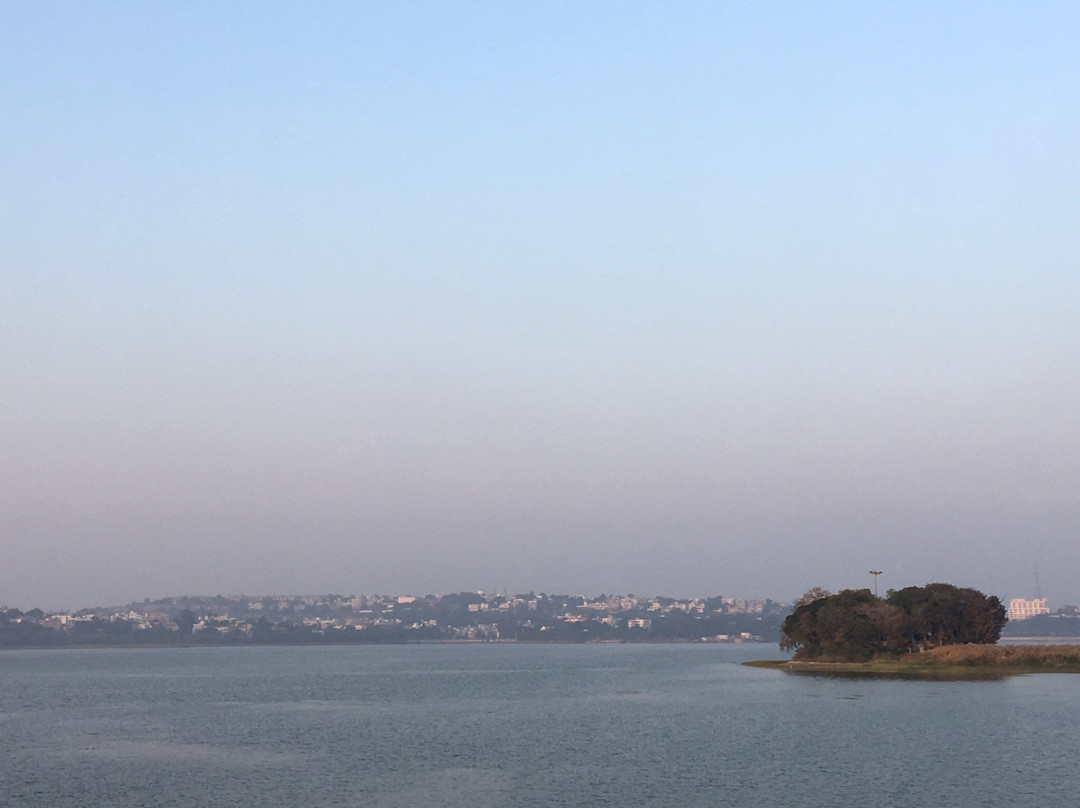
{"x": 1020, "y": 609}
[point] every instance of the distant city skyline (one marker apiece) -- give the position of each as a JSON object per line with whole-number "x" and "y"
{"x": 1023, "y": 606}
{"x": 712, "y": 298}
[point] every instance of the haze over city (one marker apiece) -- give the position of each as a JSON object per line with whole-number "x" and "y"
{"x": 713, "y": 299}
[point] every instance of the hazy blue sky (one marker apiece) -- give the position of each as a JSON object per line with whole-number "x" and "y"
{"x": 698, "y": 298}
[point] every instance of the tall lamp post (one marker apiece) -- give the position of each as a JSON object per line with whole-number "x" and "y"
{"x": 875, "y": 573}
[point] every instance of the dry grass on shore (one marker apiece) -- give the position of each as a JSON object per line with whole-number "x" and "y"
{"x": 1041, "y": 657}
{"x": 950, "y": 662}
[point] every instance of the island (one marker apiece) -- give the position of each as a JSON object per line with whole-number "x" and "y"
{"x": 937, "y": 631}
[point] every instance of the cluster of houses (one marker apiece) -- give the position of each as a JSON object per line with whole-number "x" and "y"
{"x": 459, "y": 616}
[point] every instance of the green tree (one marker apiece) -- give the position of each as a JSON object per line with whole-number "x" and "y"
{"x": 850, "y": 625}
{"x": 856, "y": 625}
{"x": 262, "y": 631}
{"x": 942, "y": 614}
{"x": 812, "y": 594}
{"x": 185, "y": 620}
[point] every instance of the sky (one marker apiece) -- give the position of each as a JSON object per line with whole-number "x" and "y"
{"x": 704, "y": 298}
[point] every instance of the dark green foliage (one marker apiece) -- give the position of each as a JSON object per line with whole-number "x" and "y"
{"x": 18, "y": 632}
{"x": 855, "y": 625}
{"x": 184, "y": 620}
{"x": 852, "y": 624}
{"x": 943, "y": 614}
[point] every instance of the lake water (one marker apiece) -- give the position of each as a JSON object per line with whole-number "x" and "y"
{"x": 517, "y": 725}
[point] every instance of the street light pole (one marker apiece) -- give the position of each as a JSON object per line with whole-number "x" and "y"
{"x": 875, "y": 573}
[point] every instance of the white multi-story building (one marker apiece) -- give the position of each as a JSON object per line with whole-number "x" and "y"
{"x": 1020, "y": 609}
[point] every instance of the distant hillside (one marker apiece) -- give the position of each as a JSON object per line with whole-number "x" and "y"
{"x": 464, "y": 616}
{"x": 1044, "y": 625}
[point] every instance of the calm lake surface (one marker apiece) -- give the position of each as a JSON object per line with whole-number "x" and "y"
{"x": 517, "y": 725}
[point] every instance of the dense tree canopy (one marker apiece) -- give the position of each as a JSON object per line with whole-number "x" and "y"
{"x": 856, "y": 625}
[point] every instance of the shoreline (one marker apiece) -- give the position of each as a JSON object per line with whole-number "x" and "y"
{"x": 369, "y": 644}
{"x": 948, "y": 663}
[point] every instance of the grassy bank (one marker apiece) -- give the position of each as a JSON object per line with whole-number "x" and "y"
{"x": 949, "y": 662}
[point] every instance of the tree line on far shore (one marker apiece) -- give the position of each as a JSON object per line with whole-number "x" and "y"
{"x": 446, "y": 618}
{"x": 856, "y": 625}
